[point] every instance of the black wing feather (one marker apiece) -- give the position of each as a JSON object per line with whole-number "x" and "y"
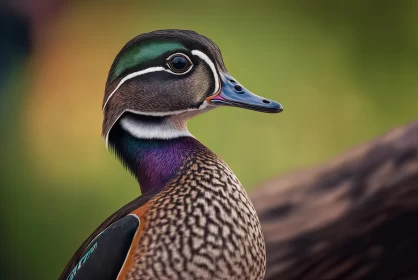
{"x": 83, "y": 249}
{"x": 104, "y": 257}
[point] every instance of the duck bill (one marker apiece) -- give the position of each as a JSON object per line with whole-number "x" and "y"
{"x": 231, "y": 93}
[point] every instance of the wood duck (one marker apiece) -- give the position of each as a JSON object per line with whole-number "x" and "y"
{"x": 193, "y": 220}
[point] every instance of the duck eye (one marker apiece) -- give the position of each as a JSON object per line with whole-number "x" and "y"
{"x": 179, "y": 63}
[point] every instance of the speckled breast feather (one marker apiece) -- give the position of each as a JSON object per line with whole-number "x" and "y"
{"x": 202, "y": 226}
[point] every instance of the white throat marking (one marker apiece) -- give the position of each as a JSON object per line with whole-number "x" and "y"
{"x": 143, "y": 130}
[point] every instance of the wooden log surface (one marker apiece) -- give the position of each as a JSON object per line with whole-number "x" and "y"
{"x": 354, "y": 217}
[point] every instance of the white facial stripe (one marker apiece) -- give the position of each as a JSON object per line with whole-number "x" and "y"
{"x": 142, "y": 72}
{"x": 204, "y": 105}
{"x": 159, "y": 68}
{"x": 133, "y": 75}
{"x": 141, "y": 130}
{"x": 211, "y": 66}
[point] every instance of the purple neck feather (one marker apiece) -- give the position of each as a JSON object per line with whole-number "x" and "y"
{"x": 154, "y": 162}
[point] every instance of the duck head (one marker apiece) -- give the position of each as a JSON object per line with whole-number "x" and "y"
{"x": 162, "y": 78}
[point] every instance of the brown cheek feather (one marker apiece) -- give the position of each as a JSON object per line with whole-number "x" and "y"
{"x": 138, "y": 94}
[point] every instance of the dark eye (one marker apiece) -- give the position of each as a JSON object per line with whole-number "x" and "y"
{"x": 179, "y": 63}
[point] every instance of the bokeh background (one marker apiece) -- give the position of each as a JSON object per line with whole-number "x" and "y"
{"x": 345, "y": 71}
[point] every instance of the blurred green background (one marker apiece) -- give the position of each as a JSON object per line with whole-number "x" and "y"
{"x": 345, "y": 71}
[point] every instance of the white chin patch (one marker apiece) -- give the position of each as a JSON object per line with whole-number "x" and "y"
{"x": 142, "y": 130}
{"x": 164, "y": 130}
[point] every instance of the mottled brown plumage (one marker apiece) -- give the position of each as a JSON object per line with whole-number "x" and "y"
{"x": 202, "y": 226}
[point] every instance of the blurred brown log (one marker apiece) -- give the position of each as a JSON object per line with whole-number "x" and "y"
{"x": 355, "y": 217}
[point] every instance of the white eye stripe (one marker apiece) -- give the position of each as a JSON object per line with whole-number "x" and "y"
{"x": 160, "y": 68}
{"x": 139, "y": 73}
{"x": 211, "y": 66}
{"x": 133, "y": 75}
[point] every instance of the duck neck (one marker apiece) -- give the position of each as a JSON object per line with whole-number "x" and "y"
{"x": 152, "y": 149}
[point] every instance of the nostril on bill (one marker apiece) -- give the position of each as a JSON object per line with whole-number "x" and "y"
{"x": 238, "y": 88}
{"x": 266, "y": 101}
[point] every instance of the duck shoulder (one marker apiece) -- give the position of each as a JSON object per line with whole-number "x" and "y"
{"x": 201, "y": 226}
